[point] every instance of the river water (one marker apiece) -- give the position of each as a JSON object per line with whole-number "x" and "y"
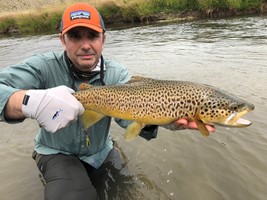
{"x": 230, "y": 164}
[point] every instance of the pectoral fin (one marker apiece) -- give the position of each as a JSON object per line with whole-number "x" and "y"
{"x": 90, "y": 117}
{"x": 202, "y": 128}
{"x": 133, "y": 130}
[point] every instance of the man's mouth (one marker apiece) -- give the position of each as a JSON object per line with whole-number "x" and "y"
{"x": 86, "y": 56}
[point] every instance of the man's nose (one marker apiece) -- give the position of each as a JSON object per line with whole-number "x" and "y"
{"x": 86, "y": 43}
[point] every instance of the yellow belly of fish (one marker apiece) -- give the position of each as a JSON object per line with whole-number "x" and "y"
{"x": 92, "y": 115}
{"x": 149, "y": 118}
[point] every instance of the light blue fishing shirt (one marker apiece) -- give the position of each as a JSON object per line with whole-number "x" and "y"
{"x": 49, "y": 70}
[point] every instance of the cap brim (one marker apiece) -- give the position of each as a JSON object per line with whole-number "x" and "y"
{"x": 98, "y": 29}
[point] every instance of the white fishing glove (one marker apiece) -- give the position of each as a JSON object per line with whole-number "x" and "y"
{"x": 53, "y": 108}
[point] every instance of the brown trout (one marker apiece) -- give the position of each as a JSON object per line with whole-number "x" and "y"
{"x": 147, "y": 101}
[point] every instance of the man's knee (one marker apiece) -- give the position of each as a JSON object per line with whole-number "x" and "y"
{"x": 69, "y": 190}
{"x": 65, "y": 177}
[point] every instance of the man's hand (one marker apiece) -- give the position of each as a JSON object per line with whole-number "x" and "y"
{"x": 181, "y": 124}
{"x": 53, "y": 108}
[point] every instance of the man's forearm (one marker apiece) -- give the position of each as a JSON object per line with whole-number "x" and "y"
{"x": 13, "y": 106}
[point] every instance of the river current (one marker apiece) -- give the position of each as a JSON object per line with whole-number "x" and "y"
{"x": 230, "y": 164}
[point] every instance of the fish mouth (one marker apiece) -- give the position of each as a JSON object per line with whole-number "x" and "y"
{"x": 236, "y": 120}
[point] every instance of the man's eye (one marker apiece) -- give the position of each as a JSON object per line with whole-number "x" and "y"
{"x": 93, "y": 35}
{"x": 74, "y": 35}
{"x": 78, "y": 36}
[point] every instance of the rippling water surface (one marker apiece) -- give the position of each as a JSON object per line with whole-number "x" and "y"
{"x": 230, "y": 164}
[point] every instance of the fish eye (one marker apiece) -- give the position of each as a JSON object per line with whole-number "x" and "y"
{"x": 234, "y": 106}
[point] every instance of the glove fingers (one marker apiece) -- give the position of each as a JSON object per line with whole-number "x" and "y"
{"x": 53, "y": 108}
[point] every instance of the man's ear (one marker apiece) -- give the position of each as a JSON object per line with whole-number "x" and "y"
{"x": 62, "y": 39}
{"x": 104, "y": 38}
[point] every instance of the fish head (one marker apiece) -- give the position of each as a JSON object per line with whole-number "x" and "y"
{"x": 222, "y": 108}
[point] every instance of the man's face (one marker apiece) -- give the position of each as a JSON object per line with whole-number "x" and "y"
{"x": 84, "y": 47}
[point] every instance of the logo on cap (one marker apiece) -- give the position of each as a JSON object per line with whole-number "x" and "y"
{"x": 80, "y": 14}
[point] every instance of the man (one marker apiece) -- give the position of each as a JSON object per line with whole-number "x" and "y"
{"x": 41, "y": 88}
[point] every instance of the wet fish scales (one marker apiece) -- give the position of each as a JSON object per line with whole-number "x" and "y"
{"x": 148, "y": 101}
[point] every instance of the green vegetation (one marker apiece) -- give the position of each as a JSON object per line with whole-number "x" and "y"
{"x": 138, "y": 8}
{"x": 45, "y": 21}
{"x": 37, "y": 23}
{"x": 119, "y": 11}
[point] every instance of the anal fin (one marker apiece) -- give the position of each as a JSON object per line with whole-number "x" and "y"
{"x": 90, "y": 117}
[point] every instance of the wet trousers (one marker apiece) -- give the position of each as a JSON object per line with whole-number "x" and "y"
{"x": 67, "y": 178}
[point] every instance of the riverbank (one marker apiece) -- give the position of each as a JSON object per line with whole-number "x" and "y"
{"x": 23, "y": 17}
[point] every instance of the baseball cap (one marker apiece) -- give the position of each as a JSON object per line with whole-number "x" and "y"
{"x": 81, "y": 14}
